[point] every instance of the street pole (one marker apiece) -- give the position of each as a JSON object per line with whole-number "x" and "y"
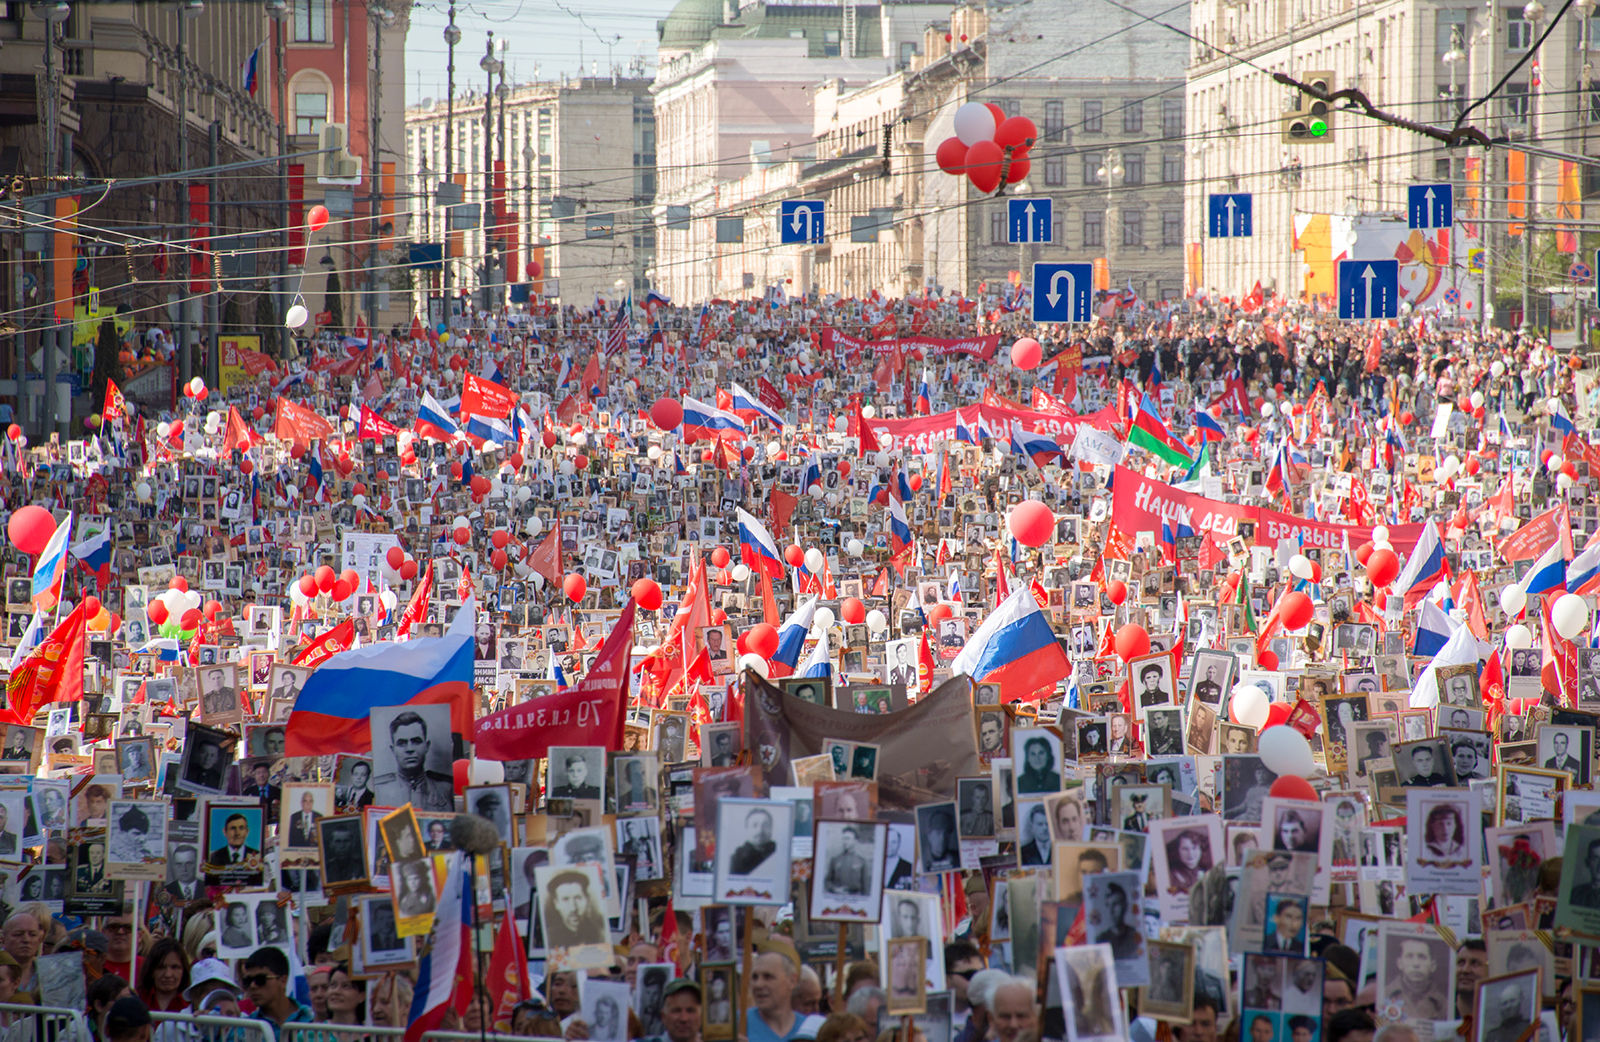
{"x": 452, "y": 36}
{"x": 279, "y": 12}
{"x": 488, "y": 65}
{"x": 51, "y": 334}
{"x": 381, "y": 18}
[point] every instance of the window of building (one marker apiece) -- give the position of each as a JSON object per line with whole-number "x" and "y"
{"x": 1010, "y": 106}
{"x": 1054, "y": 119}
{"x": 1057, "y": 229}
{"x": 1172, "y": 228}
{"x": 1171, "y": 117}
{"x": 598, "y": 226}
{"x": 1094, "y": 228}
{"x": 1133, "y": 168}
{"x": 1443, "y": 21}
{"x": 830, "y": 43}
{"x": 1093, "y": 112}
{"x": 908, "y": 51}
{"x": 1091, "y": 168}
{"x": 1519, "y": 31}
{"x": 1133, "y": 117}
{"x": 310, "y": 21}
{"x": 1516, "y": 102}
{"x": 1055, "y": 170}
{"x": 1171, "y": 167}
{"x": 1132, "y": 228}
{"x": 310, "y": 112}
{"x": 1593, "y": 93}
{"x": 997, "y": 227}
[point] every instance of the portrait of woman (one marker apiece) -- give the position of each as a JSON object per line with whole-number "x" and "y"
{"x": 1188, "y": 858}
{"x": 1443, "y": 834}
{"x": 1041, "y": 771}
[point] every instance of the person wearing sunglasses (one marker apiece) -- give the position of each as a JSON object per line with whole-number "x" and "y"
{"x": 265, "y": 976}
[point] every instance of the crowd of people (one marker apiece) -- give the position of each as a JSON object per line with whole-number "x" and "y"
{"x": 814, "y": 669}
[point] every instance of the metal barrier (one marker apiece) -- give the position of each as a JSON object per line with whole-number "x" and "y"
{"x": 325, "y": 1032}
{"x": 196, "y": 1027}
{"x": 50, "y": 1023}
{"x": 473, "y": 1036}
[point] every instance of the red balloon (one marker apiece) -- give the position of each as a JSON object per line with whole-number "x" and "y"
{"x": 794, "y": 555}
{"x": 1026, "y": 352}
{"x": 938, "y": 613}
{"x": 1031, "y": 523}
{"x": 1473, "y": 466}
{"x": 666, "y": 413}
{"x": 1015, "y": 132}
{"x": 843, "y": 467}
{"x": 720, "y": 557}
{"x": 30, "y": 529}
{"x": 574, "y": 587}
{"x": 1268, "y": 659}
{"x": 999, "y": 113}
{"x": 647, "y": 592}
{"x": 1408, "y": 418}
{"x": 1132, "y": 640}
{"x": 317, "y": 217}
{"x": 763, "y": 639}
{"x": 983, "y": 166}
{"x": 534, "y": 270}
{"x": 851, "y": 610}
{"x": 308, "y": 585}
{"x": 718, "y": 617}
{"x": 408, "y": 571}
{"x": 916, "y": 482}
{"x": 1382, "y": 567}
{"x": 211, "y": 610}
{"x": 157, "y": 610}
{"x": 549, "y": 439}
{"x": 1277, "y": 713}
{"x": 461, "y": 772}
{"x": 1364, "y": 552}
{"x": 516, "y": 460}
{"x": 580, "y": 461}
{"x": 707, "y": 455}
{"x": 1292, "y": 787}
{"x": 341, "y": 591}
{"x": 1295, "y": 610}
{"x": 179, "y": 583}
{"x": 463, "y": 536}
{"x": 1117, "y": 590}
{"x": 951, "y": 156}
{"x": 14, "y": 431}
{"x": 1018, "y": 170}
{"x": 500, "y": 537}
{"x": 396, "y": 557}
{"x": 498, "y": 560}
{"x": 190, "y": 620}
{"x": 1316, "y": 572}
{"x": 352, "y": 578}
{"x": 325, "y": 577}
{"x": 480, "y": 484}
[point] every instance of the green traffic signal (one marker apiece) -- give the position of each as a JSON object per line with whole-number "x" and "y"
{"x": 1319, "y": 127}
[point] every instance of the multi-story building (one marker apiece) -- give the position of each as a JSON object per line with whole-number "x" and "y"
{"x": 735, "y": 96}
{"x": 1316, "y": 198}
{"x": 579, "y": 178}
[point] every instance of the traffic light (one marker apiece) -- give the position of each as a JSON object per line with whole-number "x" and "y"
{"x": 1310, "y": 122}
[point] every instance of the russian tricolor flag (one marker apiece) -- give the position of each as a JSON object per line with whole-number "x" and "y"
{"x": 433, "y": 420}
{"x": 1560, "y": 420}
{"x": 1583, "y": 574}
{"x": 1015, "y": 648}
{"x": 812, "y": 474}
{"x": 1040, "y": 448}
{"x": 707, "y": 422}
{"x": 1548, "y": 573}
{"x": 1434, "y": 628}
{"x": 94, "y": 556}
{"x": 1424, "y": 567}
{"x": 744, "y": 401}
{"x": 488, "y": 428}
{"x": 820, "y": 661}
{"x": 333, "y": 711}
{"x": 792, "y": 634}
{"x": 52, "y": 562}
{"x": 1209, "y": 426}
{"x": 924, "y": 396}
{"x": 757, "y": 549}
{"x": 963, "y": 432}
{"x": 445, "y": 973}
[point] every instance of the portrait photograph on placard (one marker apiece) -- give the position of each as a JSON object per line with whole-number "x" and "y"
{"x": 752, "y": 867}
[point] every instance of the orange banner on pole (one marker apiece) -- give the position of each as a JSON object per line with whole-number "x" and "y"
{"x": 1516, "y": 189}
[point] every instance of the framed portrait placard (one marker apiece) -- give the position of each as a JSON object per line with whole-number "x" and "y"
{"x": 752, "y": 867}
{"x": 847, "y": 883}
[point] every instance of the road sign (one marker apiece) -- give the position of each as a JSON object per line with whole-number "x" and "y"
{"x": 1452, "y": 296}
{"x": 1369, "y": 289}
{"x": 1028, "y": 220}
{"x": 1475, "y": 260}
{"x": 1430, "y": 206}
{"x": 1579, "y": 272}
{"x": 1062, "y": 292}
{"x": 1228, "y": 215}
{"x": 800, "y": 220}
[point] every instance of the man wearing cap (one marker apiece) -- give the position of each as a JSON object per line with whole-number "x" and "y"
{"x": 680, "y": 1012}
{"x": 848, "y": 872}
{"x": 1139, "y": 820}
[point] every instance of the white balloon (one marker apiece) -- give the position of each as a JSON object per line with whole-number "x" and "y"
{"x": 1266, "y": 410}
{"x": 824, "y": 618}
{"x": 389, "y": 599}
{"x": 1285, "y": 751}
{"x": 814, "y": 559}
{"x": 297, "y": 316}
{"x": 1286, "y": 407}
{"x": 567, "y": 468}
{"x": 1300, "y": 567}
{"x": 580, "y": 439}
{"x": 653, "y": 452}
{"x": 755, "y": 664}
{"x": 1477, "y": 399}
{"x": 486, "y": 772}
{"x": 1564, "y": 482}
{"x": 191, "y": 599}
{"x": 142, "y": 491}
{"x": 877, "y": 621}
{"x": 882, "y": 459}
{"x": 740, "y": 572}
{"x": 1570, "y": 615}
{"x": 773, "y": 448}
{"x": 1518, "y": 637}
{"x": 196, "y": 385}
{"x": 1513, "y": 599}
{"x": 832, "y": 499}
{"x": 1555, "y": 462}
{"x": 841, "y": 424}
{"x": 869, "y": 412}
{"x": 1380, "y": 534}
{"x": 359, "y": 501}
{"x": 854, "y": 547}
{"x": 524, "y": 494}
{"x": 815, "y": 491}
{"x": 295, "y": 596}
{"x": 1497, "y": 369}
{"x": 974, "y": 122}
{"x": 164, "y": 429}
{"x": 1248, "y": 705}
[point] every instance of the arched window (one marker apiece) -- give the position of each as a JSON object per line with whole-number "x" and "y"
{"x": 310, "y": 94}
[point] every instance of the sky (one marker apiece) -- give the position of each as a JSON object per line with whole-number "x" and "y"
{"x": 548, "y": 38}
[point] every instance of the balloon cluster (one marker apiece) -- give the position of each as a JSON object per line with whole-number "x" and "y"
{"x": 195, "y": 389}
{"x": 989, "y": 147}
{"x": 177, "y": 613}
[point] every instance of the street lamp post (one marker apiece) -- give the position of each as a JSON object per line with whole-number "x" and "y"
{"x": 279, "y": 10}
{"x": 189, "y": 9}
{"x": 452, "y": 36}
{"x": 490, "y": 65}
{"x": 529, "y": 158}
{"x": 381, "y": 18}
{"x": 52, "y": 336}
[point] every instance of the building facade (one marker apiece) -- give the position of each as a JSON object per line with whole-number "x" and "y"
{"x": 577, "y": 185}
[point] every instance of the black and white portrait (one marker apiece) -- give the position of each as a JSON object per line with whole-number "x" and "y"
{"x": 381, "y": 943}
{"x": 1088, "y": 982}
{"x": 343, "y": 854}
{"x": 1423, "y": 763}
{"x": 576, "y": 772}
{"x": 847, "y": 883}
{"x": 571, "y": 908}
{"x": 412, "y": 756}
{"x": 636, "y": 788}
{"x": 1113, "y": 917}
{"x": 1567, "y": 748}
{"x": 937, "y": 841}
{"x": 752, "y": 866}
{"x": 1039, "y": 752}
{"x": 206, "y": 755}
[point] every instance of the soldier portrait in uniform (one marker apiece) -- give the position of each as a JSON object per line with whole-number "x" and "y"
{"x": 576, "y": 772}
{"x": 1416, "y": 971}
{"x": 1507, "y": 1006}
{"x": 411, "y": 757}
{"x": 848, "y": 883}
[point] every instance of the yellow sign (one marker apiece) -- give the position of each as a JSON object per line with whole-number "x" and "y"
{"x": 230, "y": 367}
{"x": 87, "y": 316}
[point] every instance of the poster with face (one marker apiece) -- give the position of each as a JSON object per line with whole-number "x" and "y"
{"x": 1113, "y": 917}
{"x": 752, "y": 867}
{"x": 1183, "y": 850}
{"x": 1443, "y": 854}
{"x": 1416, "y": 974}
{"x": 1087, "y": 980}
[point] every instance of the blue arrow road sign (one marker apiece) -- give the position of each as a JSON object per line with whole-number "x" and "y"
{"x": 1028, "y": 220}
{"x": 1228, "y": 215}
{"x": 1062, "y": 292}
{"x": 1430, "y": 206}
{"x": 800, "y": 220}
{"x": 1369, "y": 289}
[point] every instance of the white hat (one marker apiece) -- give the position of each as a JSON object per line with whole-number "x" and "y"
{"x": 209, "y": 975}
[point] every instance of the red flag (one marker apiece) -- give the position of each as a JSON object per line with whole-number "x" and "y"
{"x": 116, "y": 406}
{"x": 880, "y": 586}
{"x": 507, "y": 982}
{"x": 769, "y": 395}
{"x": 481, "y": 397}
{"x": 783, "y": 505}
{"x": 1492, "y": 685}
{"x": 1467, "y": 596}
{"x": 769, "y": 603}
{"x": 292, "y": 422}
{"x": 374, "y": 427}
{"x": 546, "y": 557}
{"x": 593, "y": 376}
{"x": 924, "y": 665}
{"x": 464, "y": 584}
{"x": 52, "y": 672}
{"x": 238, "y": 434}
{"x": 417, "y": 608}
{"x": 869, "y": 440}
{"x": 328, "y": 645}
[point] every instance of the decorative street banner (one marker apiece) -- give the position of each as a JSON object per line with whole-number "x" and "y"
{"x": 983, "y": 347}
{"x": 924, "y": 433}
{"x": 1140, "y": 504}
